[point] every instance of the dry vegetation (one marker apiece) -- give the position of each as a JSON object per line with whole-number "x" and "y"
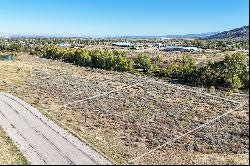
{"x": 9, "y": 155}
{"x": 130, "y": 122}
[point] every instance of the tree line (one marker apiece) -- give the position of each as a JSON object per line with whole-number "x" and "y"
{"x": 231, "y": 73}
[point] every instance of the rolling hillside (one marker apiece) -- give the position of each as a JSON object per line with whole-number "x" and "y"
{"x": 238, "y": 33}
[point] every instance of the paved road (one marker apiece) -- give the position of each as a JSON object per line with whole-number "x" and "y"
{"x": 39, "y": 139}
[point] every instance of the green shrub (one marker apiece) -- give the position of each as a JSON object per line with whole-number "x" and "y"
{"x": 231, "y": 72}
{"x": 159, "y": 59}
{"x": 123, "y": 64}
{"x": 109, "y": 60}
{"x": 212, "y": 89}
{"x": 143, "y": 61}
{"x": 97, "y": 59}
{"x": 235, "y": 70}
{"x": 82, "y": 57}
{"x": 184, "y": 69}
{"x": 156, "y": 70}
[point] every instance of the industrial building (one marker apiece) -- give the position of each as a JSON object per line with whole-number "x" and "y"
{"x": 182, "y": 49}
{"x": 171, "y": 48}
{"x": 122, "y": 44}
{"x": 64, "y": 45}
{"x": 189, "y": 49}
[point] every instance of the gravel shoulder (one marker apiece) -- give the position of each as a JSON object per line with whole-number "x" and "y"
{"x": 130, "y": 122}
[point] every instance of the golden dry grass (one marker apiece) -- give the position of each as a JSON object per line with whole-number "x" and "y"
{"x": 9, "y": 154}
{"x": 13, "y": 73}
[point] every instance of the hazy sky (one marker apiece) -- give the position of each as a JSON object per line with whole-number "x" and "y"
{"x": 120, "y": 17}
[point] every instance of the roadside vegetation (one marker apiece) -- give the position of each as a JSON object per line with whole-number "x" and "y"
{"x": 9, "y": 155}
{"x": 230, "y": 73}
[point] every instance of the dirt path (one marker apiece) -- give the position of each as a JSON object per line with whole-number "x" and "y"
{"x": 39, "y": 139}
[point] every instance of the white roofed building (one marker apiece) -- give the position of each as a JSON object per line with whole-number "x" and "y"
{"x": 122, "y": 44}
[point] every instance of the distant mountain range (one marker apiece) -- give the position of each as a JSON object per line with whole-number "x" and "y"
{"x": 193, "y": 35}
{"x": 238, "y": 33}
{"x": 202, "y": 35}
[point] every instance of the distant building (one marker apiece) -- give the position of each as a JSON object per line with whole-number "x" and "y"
{"x": 180, "y": 48}
{"x": 158, "y": 45}
{"x": 122, "y": 44}
{"x": 80, "y": 45}
{"x": 189, "y": 49}
{"x": 171, "y": 48}
{"x": 64, "y": 45}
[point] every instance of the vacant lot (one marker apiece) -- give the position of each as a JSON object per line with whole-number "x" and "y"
{"x": 134, "y": 115}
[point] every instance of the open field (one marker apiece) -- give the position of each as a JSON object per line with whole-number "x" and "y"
{"x": 9, "y": 153}
{"x": 135, "y": 114}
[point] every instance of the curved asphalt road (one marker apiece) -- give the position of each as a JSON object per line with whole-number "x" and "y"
{"x": 39, "y": 139}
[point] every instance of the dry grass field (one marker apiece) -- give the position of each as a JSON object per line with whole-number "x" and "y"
{"x": 125, "y": 116}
